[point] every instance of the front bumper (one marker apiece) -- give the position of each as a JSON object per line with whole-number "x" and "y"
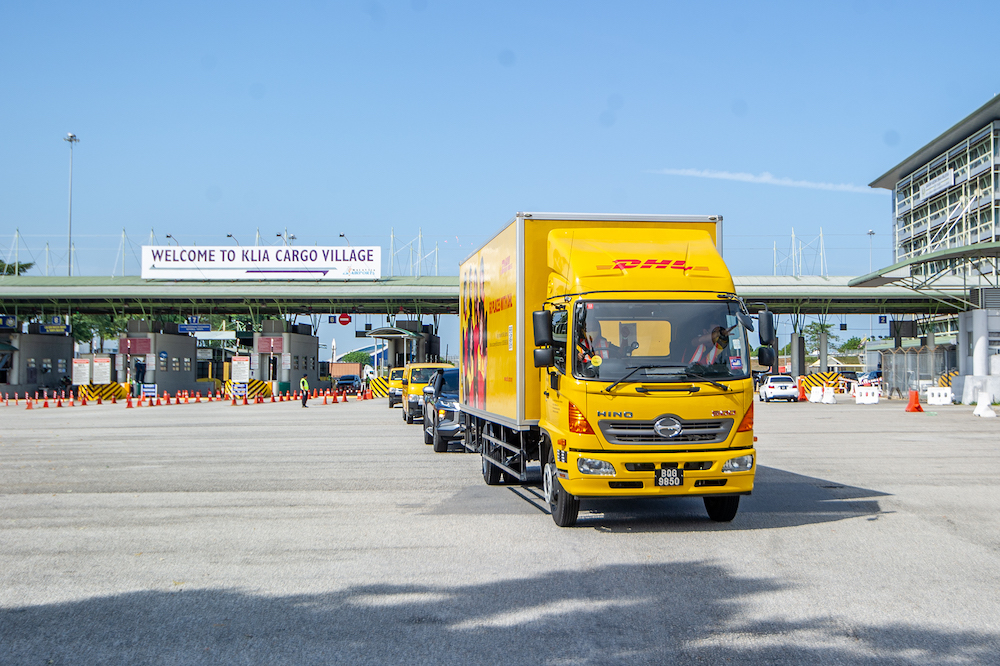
{"x": 414, "y": 406}
{"x": 639, "y": 480}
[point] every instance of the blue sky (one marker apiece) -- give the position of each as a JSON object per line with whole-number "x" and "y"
{"x": 204, "y": 119}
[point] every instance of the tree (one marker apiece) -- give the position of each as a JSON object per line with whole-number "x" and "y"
{"x": 812, "y": 332}
{"x": 357, "y": 357}
{"x": 102, "y": 327}
{"x": 15, "y": 269}
{"x": 852, "y": 345}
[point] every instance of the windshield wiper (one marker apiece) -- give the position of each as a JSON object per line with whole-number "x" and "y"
{"x": 630, "y": 373}
{"x": 702, "y": 378}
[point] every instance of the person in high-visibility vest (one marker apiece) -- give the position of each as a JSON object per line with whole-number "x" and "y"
{"x": 304, "y": 386}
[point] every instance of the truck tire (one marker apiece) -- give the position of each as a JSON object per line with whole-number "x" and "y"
{"x": 391, "y": 403}
{"x": 491, "y": 473}
{"x": 440, "y": 444}
{"x": 510, "y": 479}
{"x": 564, "y": 507}
{"x": 409, "y": 416}
{"x": 722, "y": 509}
{"x": 428, "y": 440}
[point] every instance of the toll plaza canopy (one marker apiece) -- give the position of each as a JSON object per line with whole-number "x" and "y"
{"x": 130, "y": 295}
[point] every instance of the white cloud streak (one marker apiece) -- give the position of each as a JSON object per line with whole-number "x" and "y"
{"x": 768, "y": 179}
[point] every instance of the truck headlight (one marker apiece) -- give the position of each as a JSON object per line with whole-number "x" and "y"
{"x": 598, "y": 467}
{"x": 741, "y": 464}
{"x": 413, "y": 398}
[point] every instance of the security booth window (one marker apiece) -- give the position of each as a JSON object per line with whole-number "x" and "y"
{"x": 175, "y": 364}
{"x": 163, "y": 363}
{"x": 187, "y": 364}
{"x": 61, "y": 366}
{"x": 295, "y": 362}
{"x": 46, "y": 366}
{"x": 659, "y": 341}
{"x": 30, "y": 363}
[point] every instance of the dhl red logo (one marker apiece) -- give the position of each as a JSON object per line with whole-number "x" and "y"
{"x": 676, "y": 264}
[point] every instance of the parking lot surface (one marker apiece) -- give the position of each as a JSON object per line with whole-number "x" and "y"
{"x": 267, "y": 534}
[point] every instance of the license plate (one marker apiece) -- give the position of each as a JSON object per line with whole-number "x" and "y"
{"x": 670, "y": 476}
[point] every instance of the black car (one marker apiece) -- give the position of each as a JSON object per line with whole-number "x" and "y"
{"x": 443, "y": 420}
{"x": 349, "y": 384}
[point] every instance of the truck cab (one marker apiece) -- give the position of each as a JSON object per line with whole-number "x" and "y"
{"x": 396, "y": 386}
{"x": 415, "y": 377}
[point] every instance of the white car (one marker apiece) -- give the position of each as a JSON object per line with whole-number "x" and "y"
{"x": 778, "y": 387}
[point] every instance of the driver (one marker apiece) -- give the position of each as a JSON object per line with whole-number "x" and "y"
{"x": 709, "y": 345}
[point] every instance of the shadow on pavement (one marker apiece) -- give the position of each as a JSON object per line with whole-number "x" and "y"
{"x": 780, "y": 499}
{"x": 665, "y": 613}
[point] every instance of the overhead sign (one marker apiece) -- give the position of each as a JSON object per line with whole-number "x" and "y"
{"x": 8, "y": 321}
{"x": 270, "y": 345}
{"x": 102, "y": 370}
{"x": 134, "y": 345}
{"x": 53, "y": 329}
{"x": 215, "y": 335}
{"x": 160, "y": 262}
{"x": 193, "y": 328}
{"x": 241, "y": 369}
{"x": 81, "y": 371}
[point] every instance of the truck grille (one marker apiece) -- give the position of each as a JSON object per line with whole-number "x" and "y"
{"x": 642, "y": 432}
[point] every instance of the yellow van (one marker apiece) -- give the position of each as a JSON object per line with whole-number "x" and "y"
{"x": 415, "y": 377}
{"x": 396, "y": 386}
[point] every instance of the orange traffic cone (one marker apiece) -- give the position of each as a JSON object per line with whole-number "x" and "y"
{"x": 59, "y": 401}
{"x": 186, "y": 397}
{"x": 914, "y": 405}
{"x": 128, "y": 405}
{"x": 99, "y": 401}
{"x": 272, "y": 398}
{"x": 197, "y": 396}
{"x": 234, "y": 400}
{"x": 27, "y": 402}
{"x": 802, "y": 391}
{"x": 83, "y": 398}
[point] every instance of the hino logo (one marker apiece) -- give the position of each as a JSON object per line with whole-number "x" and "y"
{"x": 615, "y": 415}
{"x": 667, "y": 427}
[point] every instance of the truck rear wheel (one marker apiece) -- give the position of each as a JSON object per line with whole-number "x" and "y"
{"x": 565, "y": 508}
{"x": 722, "y": 509}
{"x": 491, "y": 473}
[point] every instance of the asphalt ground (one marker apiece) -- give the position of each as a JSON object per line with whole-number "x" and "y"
{"x": 272, "y": 534}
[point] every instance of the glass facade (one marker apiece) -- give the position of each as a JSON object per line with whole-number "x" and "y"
{"x": 949, "y": 202}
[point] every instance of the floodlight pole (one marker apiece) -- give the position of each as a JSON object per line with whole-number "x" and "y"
{"x": 71, "y": 138}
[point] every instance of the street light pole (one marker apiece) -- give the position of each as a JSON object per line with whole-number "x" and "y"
{"x": 71, "y": 138}
{"x": 871, "y": 328}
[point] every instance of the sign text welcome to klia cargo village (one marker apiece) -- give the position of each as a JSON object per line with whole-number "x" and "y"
{"x": 160, "y": 262}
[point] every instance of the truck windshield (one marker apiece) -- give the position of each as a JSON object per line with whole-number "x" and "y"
{"x": 659, "y": 341}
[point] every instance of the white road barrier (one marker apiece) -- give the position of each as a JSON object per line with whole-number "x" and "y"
{"x": 816, "y": 394}
{"x": 866, "y": 395}
{"x": 940, "y": 395}
{"x": 828, "y": 397}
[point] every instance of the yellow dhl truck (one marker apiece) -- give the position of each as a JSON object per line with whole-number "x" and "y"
{"x": 614, "y": 351}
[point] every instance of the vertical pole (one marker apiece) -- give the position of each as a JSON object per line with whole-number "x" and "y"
{"x": 124, "y": 240}
{"x": 46, "y": 260}
{"x": 69, "y": 225}
{"x": 17, "y": 250}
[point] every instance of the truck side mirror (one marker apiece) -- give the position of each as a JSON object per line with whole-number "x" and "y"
{"x": 766, "y": 321}
{"x": 545, "y": 358}
{"x": 765, "y": 356}
{"x": 541, "y": 322}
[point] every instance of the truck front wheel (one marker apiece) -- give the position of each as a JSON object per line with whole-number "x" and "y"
{"x": 564, "y": 507}
{"x": 722, "y": 509}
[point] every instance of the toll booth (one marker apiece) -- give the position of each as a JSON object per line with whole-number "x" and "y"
{"x": 409, "y": 342}
{"x": 282, "y": 353}
{"x": 156, "y": 353}
{"x": 34, "y": 361}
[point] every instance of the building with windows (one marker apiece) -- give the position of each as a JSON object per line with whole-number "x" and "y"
{"x": 943, "y": 194}
{"x": 945, "y": 213}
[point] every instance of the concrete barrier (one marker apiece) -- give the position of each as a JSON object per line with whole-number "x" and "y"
{"x": 816, "y": 394}
{"x": 984, "y": 408}
{"x": 828, "y": 396}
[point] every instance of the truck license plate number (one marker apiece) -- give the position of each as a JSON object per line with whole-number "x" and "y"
{"x": 670, "y": 476}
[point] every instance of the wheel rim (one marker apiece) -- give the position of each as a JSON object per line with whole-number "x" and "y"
{"x": 548, "y": 483}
